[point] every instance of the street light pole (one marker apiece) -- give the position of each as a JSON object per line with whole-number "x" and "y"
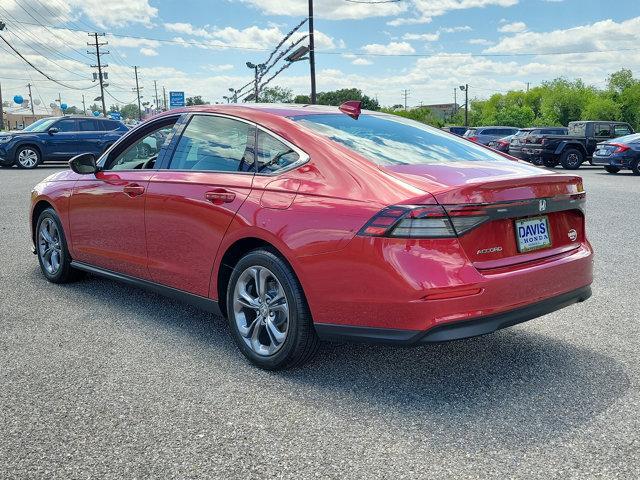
{"x": 465, "y": 89}
{"x": 312, "y": 55}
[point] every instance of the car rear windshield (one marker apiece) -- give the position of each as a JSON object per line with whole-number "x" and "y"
{"x": 470, "y": 132}
{"x": 393, "y": 140}
{"x": 633, "y": 138}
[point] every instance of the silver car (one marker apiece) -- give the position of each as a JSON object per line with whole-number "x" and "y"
{"x": 484, "y": 135}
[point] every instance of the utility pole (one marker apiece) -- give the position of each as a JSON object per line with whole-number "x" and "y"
{"x": 405, "y": 94}
{"x": 312, "y": 55}
{"x": 84, "y": 108}
{"x": 465, "y": 89}
{"x": 99, "y": 66}
{"x": 30, "y": 99}
{"x": 137, "y": 90}
{"x": 455, "y": 100}
{"x": 1, "y": 110}
{"x": 164, "y": 95}
{"x": 527, "y": 87}
{"x": 155, "y": 86}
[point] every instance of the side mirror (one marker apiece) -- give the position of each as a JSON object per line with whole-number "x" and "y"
{"x": 52, "y": 130}
{"x": 84, "y": 164}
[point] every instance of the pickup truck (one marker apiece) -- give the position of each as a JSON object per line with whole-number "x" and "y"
{"x": 573, "y": 149}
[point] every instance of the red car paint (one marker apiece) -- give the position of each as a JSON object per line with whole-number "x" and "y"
{"x": 158, "y": 225}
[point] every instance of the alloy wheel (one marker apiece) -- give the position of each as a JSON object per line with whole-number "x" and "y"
{"x": 573, "y": 159}
{"x": 28, "y": 158}
{"x": 49, "y": 246}
{"x": 261, "y": 310}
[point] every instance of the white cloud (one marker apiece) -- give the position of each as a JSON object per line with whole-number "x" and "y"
{"x": 603, "y": 35}
{"x": 425, "y": 10}
{"x": 362, "y": 61}
{"x": 329, "y": 9}
{"x": 116, "y": 12}
{"x": 250, "y": 37}
{"x": 220, "y": 68}
{"x": 515, "y": 27}
{"x": 148, "y": 52}
{"x": 426, "y": 37}
{"x": 392, "y": 48}
{"x": 480, "y": 41}
{"x": 462, "y": 28}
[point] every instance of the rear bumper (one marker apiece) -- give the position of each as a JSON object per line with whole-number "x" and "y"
{"x": 452, "y": 331}
{"x": 619, "y": 162}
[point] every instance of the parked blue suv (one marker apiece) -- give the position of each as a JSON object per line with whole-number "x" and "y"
{"x": 58, "y": 138}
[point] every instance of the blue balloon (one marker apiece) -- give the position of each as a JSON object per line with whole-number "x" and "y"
{"x": 18, "y": 99}
{"x": 96, "y": 113}
{"x": 63, "y": 106}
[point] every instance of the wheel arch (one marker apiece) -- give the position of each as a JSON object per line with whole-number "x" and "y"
{"x": 28, "y": 143}
{"x": 39, "y": 207}
{"x": 233, "y": 253}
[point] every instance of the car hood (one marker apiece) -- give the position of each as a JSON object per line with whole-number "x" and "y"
{"x": 485, "y": 182}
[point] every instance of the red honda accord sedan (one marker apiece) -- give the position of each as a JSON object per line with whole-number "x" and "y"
{"x": 304, "y": 223}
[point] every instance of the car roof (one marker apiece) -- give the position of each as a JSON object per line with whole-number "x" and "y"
{"x": 498, "y": 126}
{"x": 279, "y": 109}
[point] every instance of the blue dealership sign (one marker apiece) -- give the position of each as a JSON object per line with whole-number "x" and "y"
{"x": 176, "y": 99}
{"x": 114, "y": 115}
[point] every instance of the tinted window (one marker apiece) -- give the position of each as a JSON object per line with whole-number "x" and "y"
{"x": 215, "y": 143}
{"x": 391, "y": 140}
{"x": 633, "y": 138}
{"x": 141, "y": 152}
{"x": 272, "y": 154}
{"x": 107, "y": 125}
{"x": 470, "y": 133}
{"x": 88, "y": 125}
{"x": 620, "y": 130}
{"x": 602, "y": 130}
{"x": 66, "y": 125}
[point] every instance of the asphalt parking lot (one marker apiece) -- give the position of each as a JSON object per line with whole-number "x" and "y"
{"x": 102, "y": 380}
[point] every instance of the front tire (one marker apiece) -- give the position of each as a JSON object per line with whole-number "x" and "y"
{"x": 268, "y": 312}
{"x": 611, "y": 169}
{"x": 27, "y": 157}
{"x": 51, "y": 246}
{"x": 572, "y": 159}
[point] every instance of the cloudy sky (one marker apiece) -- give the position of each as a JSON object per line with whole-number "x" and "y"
{"x": 426, "y": 46}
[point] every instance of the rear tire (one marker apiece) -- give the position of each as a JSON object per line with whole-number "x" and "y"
{"x": 537, "y": 161}
{"x": 549, "y": 163}
{"x": 27, "y": 157}
{"x": 635, "y": 166}
{"x": 572, "y": 159}
{"x": 51, "y": 246}
{"x": 268, "y": 312}
{"x": 610, "y": 169}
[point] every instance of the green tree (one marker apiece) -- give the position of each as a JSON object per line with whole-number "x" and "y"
{"x": 601, "y": 108}
{"x": 130, "y": 111}
{"x": 302, "y": 99}
{"x": 72, "y": 110}
{"x": 276, "y": 95}
{"x": 196, "y": 100}
{"x": 338, "y": 97}
{"x": 621, "y": 80}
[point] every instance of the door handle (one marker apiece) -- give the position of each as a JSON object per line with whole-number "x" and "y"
{"x": 133, "y": 189}
{"x": 220, "y": 196}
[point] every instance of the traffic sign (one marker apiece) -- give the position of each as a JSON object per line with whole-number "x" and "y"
{"x": 176, "y": 99}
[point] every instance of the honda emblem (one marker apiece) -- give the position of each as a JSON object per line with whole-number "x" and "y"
{"x": 542, "y": 205}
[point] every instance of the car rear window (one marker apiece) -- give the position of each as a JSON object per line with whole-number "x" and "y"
{"x": 578, "y": 129}
{"x": 633, "y": 138}
{"x": 392, "y": 140}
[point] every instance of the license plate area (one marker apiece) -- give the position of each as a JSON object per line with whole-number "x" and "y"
{"x": 533, "y": 233}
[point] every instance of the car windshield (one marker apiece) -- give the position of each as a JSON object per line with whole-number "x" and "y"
{"x": 391, "y": 140}
{"x": 578, "y": 129}
{"x": 522, "y": 133}
{"x": 41, "y": 125}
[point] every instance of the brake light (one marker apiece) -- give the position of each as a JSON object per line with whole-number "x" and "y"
{"x": 426, "y": 221}
{"x": 621, "y": 147}
{"x": 503, "y": 143}
{"x": 472, "y": 139}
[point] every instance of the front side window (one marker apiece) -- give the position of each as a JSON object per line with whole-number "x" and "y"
{"x": 602, "y": 130}
{"x": 272, "y": 154}
{"x": 218, "y": 144}
{"x": 620, "y": 130}
{"x": 66, "y": 125}
{"x": 392, "y": 140}
{"x": 142, "y": 152}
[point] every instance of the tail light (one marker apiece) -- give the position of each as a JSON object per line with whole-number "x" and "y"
{"x": 502, "y": 143}
{"x": 620, "y": 147}
{"x": 428, "y": 221}
{"x": 472, "y": 139}
{"x": 544, "y": 141}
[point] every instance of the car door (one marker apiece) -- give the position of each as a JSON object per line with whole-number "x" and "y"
{"x": 194, "y": 196}
{"x": 89, "y": 138}
{"x": 61, "y": 142}
{"x": 106, "y": 211}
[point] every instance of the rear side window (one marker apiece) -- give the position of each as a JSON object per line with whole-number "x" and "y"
{"x": 392, "y": 140}
{"x": 108, "y": 125}
{"x": 273, "y": 155}
{"x": 88, "y": 125}
{"x": 578, "y": 129}
{"x": 470, "y": 132}
{"x": 602, "y": 130}
{"x": 218, "y": 144}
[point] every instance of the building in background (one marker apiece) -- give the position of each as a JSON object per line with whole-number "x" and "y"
{"x": 18, "y": 117}
{"x": 443, "y": 111}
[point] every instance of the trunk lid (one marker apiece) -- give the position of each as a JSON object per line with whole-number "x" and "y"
{"x": 528, "y": 213}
